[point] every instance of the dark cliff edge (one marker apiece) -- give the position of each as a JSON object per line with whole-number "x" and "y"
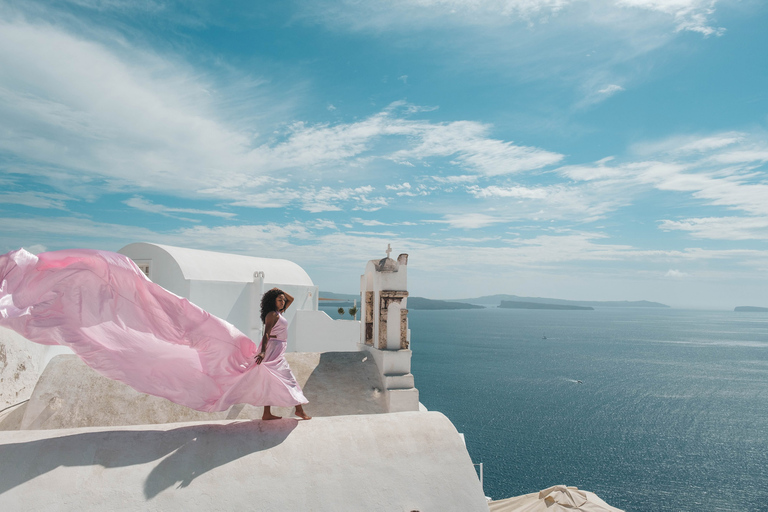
{"x": 422, "y": 303}
{"x": 750, "y": 309}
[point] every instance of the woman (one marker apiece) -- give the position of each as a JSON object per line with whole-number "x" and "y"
{"x": 273, "y": 344}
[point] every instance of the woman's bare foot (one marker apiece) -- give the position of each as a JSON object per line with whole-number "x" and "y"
{"x": 301, "y": 414}
{"x": 268, "y": 414}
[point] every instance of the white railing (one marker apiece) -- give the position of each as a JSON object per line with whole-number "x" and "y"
{"x": 481, "y": 475}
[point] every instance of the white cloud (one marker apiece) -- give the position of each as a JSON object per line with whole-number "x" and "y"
{"x": 36, "y": 199}
{"x": 513, "y": 192}
{"x": 71, "y": 106}
{"x": 326, "y": 199}
{"x": 722, "y": 170}
{"x": 470, "y": 220}
{"x": 676, "y": 274}
{"x": 68, "y": 232}
{"x": 470, "y": 147}
{"x": 406, "y": 190}
{"x": 148, "y": 206}
{"x": 710, "y": 143}
{"x": 721, "y": 228}
{"x": 733, "y": 191}
{"x": 610, "y": 90}
{"x": 692, "y": 15}
{"x": 464, "y": 178}
{"x": 574, "y": 203}
{"x": 323, "y": 224}
{"x": 131, "y": 117}
{"x": 532, "y": 40}
{"x": 358, "y": 144}
{"x": 689, "y": 145}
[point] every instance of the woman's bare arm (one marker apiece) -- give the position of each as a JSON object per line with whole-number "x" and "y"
{"x": 288, "y": 300}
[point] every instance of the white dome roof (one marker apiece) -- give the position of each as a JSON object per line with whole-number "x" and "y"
{"x": 200, "y": 265}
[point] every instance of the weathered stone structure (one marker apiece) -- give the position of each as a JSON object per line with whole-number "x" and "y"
{"x": 384, "y": 330}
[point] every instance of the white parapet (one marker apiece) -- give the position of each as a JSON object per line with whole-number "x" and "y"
{"x": 315, "y": 331}
{"x": 391, "y": 362}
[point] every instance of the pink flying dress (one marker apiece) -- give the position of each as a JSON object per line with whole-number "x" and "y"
{"x": 124, "y": 326}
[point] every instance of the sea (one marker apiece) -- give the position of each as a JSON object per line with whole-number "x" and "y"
{"x": 652, "y": 409}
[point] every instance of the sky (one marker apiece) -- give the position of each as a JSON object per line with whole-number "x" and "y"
{"x": 577, "y": 149}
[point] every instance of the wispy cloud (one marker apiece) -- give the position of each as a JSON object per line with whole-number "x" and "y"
{"x": 468, "y": 144}
{"x": 40, "y": 200}
{"x": 721, "y": 228}
{"x": 312, "y": 199}
{"x": 610, "y": 90}
{"x": 470, "y": 220}
{"x": 692, "y": 15}
{"x": 132, "y": 120}
{"x": 145, "y": 205}
{"x": 70, "y": 104}
{"x": 725, "y": 170}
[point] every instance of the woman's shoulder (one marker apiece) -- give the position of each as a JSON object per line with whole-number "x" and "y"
{"x": 273, "y": 315}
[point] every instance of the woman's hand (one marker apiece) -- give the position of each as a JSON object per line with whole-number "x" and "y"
{"x": 260, "y": 358}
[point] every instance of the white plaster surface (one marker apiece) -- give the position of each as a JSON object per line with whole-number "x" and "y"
{"x": 315, "y": 331}
{"x": 70, "y": 394}
{"x": 200, "y": 265}
{"x": 224, "y": 284}
{"x": 392, "y": 362}
{"x": 382, "y": 462}
{"x": 399, "y": 400}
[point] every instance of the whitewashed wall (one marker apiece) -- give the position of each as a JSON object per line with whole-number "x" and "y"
{"x": 315, "y": 331}
{"x": 237, "y": 299}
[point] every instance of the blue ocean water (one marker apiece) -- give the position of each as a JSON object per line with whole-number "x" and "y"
{"x": 671, "y": 413}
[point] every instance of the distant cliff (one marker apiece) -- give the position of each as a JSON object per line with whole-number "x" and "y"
{"x": 496, "y": 299}
{"x": 750, "y": 309}
{"x": 515, "y": 304}
{"x": 422, "y": 303}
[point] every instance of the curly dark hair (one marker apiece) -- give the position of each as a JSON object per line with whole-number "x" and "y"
{"x": 269, "y": 302}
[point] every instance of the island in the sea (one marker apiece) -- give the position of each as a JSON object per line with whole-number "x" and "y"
{"x": 422, "y": 303}
{"x": 497, "y": 299}
{"x": 750, "y": 309}
{"x": 514, "y": 304}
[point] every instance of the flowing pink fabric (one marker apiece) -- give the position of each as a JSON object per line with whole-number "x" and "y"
{"x": 103, "y": 307}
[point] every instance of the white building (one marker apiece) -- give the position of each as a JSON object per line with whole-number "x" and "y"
{"x": 230, "y": 286}
{"x": 71, "y": 439}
